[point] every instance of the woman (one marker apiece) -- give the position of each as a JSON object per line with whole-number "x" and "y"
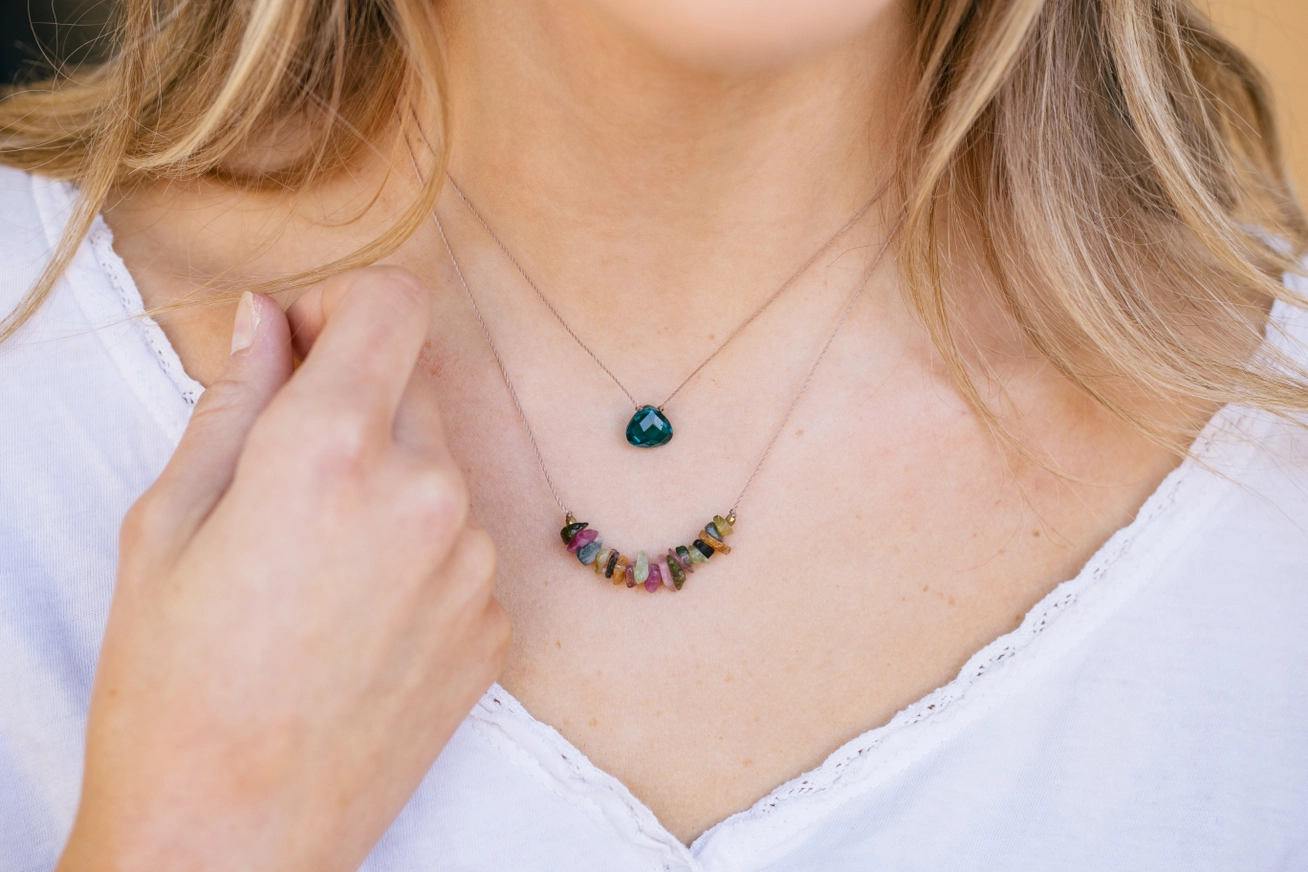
{"x": 972, "y": 326}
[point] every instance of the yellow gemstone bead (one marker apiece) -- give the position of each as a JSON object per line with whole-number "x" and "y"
{"x": 620, "y": 570}
{"x": 723, "y": 525}
{"x": 714, "y": 543}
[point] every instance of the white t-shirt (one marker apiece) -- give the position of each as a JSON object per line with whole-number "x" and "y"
{"x": 1150, "y": 714}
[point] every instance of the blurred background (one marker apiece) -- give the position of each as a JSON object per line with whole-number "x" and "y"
{"x": 1273, "y": 32}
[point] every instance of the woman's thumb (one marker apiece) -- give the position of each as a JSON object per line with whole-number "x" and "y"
{"x": 202, "y": 467}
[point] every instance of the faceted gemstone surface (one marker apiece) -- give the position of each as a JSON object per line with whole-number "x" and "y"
{"x": 649, "y": 428}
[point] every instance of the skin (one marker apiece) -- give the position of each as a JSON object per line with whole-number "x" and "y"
{"x": 658, "y": 168}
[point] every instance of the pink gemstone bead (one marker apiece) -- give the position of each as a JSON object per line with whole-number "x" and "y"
{"x": 684, "y": 564}
{"x": 655, "y": 578}
{"x": 631, "y": 575}
{"x": 585, "y": 537}
{"x": 667, "y": 580}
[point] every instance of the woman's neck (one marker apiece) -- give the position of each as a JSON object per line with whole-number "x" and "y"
{"x": 638, "y": 189}
{"x": 634, "y": 182}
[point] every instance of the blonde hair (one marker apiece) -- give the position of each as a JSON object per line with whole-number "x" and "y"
{"x": 1117, "y": 160}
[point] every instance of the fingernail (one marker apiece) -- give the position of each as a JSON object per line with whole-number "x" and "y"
{"x": 247, "y": 321}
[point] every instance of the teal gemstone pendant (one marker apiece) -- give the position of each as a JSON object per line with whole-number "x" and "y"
{"x": 649, "y": 428}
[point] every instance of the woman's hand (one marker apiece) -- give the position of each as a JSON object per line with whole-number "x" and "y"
{"x": 304, "y": 609}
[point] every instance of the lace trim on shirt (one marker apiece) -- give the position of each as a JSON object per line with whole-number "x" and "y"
{"x": 101, "y": 240}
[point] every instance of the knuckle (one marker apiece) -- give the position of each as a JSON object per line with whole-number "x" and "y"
{"x": 146, "y": 521}
{"x": 336, "y": 447}
{"x": 438, "y": 497}
{"x": 481, "y": 557}
{"x": 219, "y": 399}
{"x": 398, "y": 288}
{"x": 476, "y": 560}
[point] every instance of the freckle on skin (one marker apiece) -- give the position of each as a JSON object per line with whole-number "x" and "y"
{"x": 1035, "y": 533}
{"x": 925, "y": 588}
{"x": 729, "y": 677}
{"x": 951, "y": 600}
{"x": 747, "y": 763}
{"x": 558, "y": 644}
{"x": 593, "y": 722}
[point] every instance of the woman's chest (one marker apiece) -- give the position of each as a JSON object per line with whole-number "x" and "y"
{"x": 880, "y": 545}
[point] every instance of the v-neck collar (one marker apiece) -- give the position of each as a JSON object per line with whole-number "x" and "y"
{"x": 745, "y": 840}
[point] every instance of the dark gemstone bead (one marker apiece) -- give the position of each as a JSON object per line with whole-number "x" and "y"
{"x": 683, "y": 553}
{"x": 572, "y": 530}
{"x": 706, "y": 550}
{"x": 649, "y": 428}
{"x": 613, "y": 561}
{"x": 712, "y": 530}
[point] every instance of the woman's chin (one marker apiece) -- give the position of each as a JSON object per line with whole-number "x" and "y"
{"x": 743, "y": 35}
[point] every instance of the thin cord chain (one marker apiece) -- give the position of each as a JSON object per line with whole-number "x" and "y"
{"x": 705, "y": 362}
{"x": 522, "y": 415}
{"x": 813, "y": 369}
{"x": 508, "y": 383}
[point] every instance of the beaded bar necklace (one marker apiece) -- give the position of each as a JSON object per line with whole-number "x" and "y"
{"x": 584, "y": 541}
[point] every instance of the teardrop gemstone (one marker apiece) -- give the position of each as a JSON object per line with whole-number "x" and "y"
{"x": 649, "y": 428}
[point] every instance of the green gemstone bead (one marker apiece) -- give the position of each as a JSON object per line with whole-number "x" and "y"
{"x": 697, "y": 556}
{"x": 678, "y": 574}
{"x": 684, "y": 553}
{"x": 572, "y": 530}
{"x": 649, "y": 428}
{"x": 642, "y": 567}
{"x": 587, "y": 553}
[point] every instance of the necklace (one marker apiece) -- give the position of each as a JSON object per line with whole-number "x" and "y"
{"x": 584, "y": 541}
{"x": 649, "y": 426}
